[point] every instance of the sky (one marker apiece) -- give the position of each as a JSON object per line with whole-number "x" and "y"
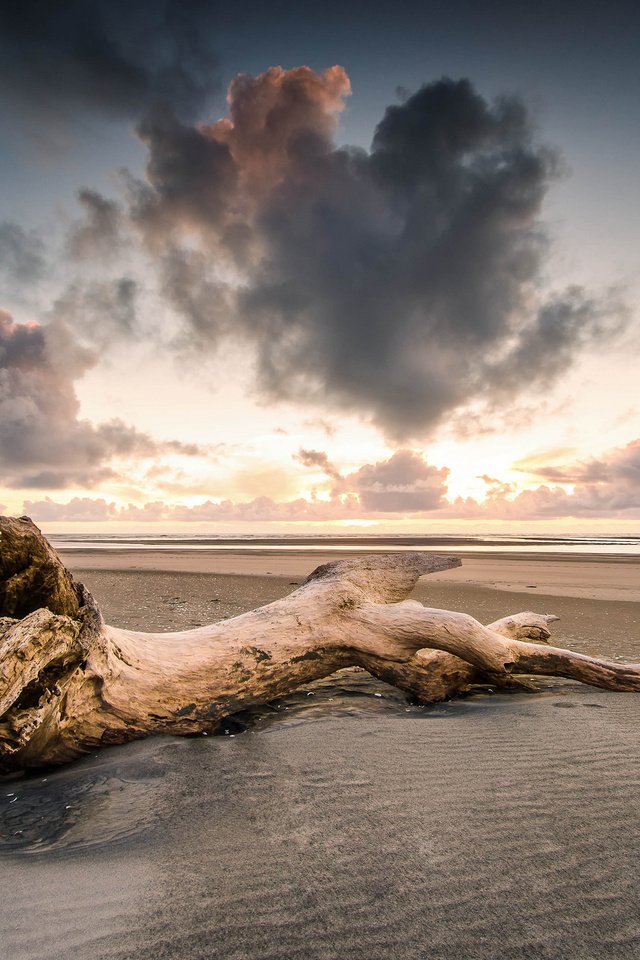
{"x": 357, "y": 267}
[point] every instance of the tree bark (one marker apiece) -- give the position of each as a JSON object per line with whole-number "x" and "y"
{"x": 69, "y": 682}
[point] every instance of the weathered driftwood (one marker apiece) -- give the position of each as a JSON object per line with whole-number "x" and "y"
{"x": 69, "y": 682}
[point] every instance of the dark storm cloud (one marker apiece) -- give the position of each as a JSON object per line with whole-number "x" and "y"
{"x": 400, "y": 283}
{"x": 562, "y": 326}
{"x": 393, "y": 281}
{"x": 43, "y": 441}
{"x": 190, "y": 176}
{"x": 115, "y": 57}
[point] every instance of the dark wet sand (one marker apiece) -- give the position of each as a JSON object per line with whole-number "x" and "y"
{"x": 343, "y": 822}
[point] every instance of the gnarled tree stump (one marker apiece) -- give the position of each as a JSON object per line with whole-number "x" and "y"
{"x": 69, "y": 682}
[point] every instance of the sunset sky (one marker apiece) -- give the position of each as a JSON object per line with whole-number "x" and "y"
{"x": 357, "y": 266}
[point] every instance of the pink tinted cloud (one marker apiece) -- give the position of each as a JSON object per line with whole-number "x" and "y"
{"x": 271, "y": 115}
{"x": 403, "y": 485}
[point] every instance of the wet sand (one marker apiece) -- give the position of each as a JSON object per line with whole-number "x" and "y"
{"x": 343, "y": 822}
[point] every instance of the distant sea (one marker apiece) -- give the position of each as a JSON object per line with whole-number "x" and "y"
{"x": 375, "y": 543}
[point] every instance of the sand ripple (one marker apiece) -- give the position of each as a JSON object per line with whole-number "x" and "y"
{"x": 499, "y": 827}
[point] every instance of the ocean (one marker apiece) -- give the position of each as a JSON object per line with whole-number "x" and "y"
{"x": 374, "y": 543}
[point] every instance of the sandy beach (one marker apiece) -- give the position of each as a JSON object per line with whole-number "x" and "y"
{"x": 343, "y": 821}
{"x": 563, "y": 575}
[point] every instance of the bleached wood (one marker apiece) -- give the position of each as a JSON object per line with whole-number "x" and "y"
{"x": 69, "y": 682}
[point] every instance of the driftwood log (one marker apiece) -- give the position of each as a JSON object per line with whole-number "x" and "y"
{"x": 70, "y": 683}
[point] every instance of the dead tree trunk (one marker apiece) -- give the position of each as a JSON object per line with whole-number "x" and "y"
{"x": 69, "y": 682}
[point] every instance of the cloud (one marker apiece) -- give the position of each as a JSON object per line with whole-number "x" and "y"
{"x": 56, "y": 58}
{"x": 98, "y": 235}
{"x": 191, "y": 177}
{"x": 100, "y": 311}
{"x": 620, "y": 466}
{"x": 562, "y": 328}
{"x": 277, "y": 120}
{"x": 258, "y": 509}
{"x": 213, "y": 177}
{"x": 603, "y": 488}
{"x": 318, "y": 458}
{"x": 22, "y": 258}
{"x": 43, "y": 441}
{"x": 77, "y": 509}
{"x": 264, "y": 508}
{"x": 405, "y": 483}
{"x": 205, "y": 304}
{"x": 401, "y": 283}
{"x": 607, "y": 486}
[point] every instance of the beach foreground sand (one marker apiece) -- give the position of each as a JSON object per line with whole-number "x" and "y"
{"x": 342, "y": 822}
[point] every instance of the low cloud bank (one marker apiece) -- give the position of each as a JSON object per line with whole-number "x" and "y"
{"x": 405, "y": 485}
{"x": 605, "y": 487}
